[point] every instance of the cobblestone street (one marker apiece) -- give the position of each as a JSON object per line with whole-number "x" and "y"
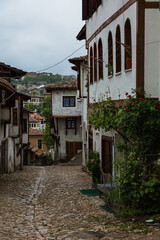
{"x": 45, "y": 203}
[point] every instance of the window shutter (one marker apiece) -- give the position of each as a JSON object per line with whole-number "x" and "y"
{"x": 15, "y": 119}
{"x": 84, "y": 9}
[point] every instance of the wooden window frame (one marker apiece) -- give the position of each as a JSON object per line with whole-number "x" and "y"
{"x": 110, "y": 53}
{"x": 72, "y": 120}
{"x": 95, "y": 62}
{"x": 41, "y": 144}
{"x": 91, "y": 65}
{"x": 15, "y": 116}
{"x": 24, "y": 125}
{"x": 69, "y": 97}
{"x": 128, "y": 43}
{"x": 100, "y": 59}
{"x": 118, "y": 50}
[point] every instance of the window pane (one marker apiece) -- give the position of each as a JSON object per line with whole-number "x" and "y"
{"x": 39, "y": 144}
{"x": 71, "y": 123}
{"x": 66, "y": 101}
{"x": 72, "y": 101}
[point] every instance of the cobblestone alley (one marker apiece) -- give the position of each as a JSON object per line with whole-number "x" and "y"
{"x": 45, "y": 203}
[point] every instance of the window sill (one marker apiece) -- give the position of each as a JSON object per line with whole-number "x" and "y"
{"x": 128, "y": 70}
{"x": 118, "y": 73}
{"x": 110, "y": 76}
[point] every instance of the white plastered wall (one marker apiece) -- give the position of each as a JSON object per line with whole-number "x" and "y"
{"x": 152, "y": 52}
{"x": 120, "y": 83}
{"x": 57, "y": 104}
{"x": 70, "y": 137}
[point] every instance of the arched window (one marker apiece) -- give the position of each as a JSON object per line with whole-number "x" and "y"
{"x": 100, "y": 59}
{"x": 110, "y": 54}
{"x": 91, "y": 66}
{"x": 118, "y": 49}
{"x": 95, "y": 62}
{"x": 128, "y": 45}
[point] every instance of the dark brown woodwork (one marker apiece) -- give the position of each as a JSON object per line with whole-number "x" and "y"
{"x": 152, "y": 5}
{"x": 15, "y": 117}
{"x": 89, "y": 7}
{"x": 72, "y": 148}
{"x": 111, "y": 19}
{"x": 100, "y": 59}
{"x": 4, "y": 156}
{"x": 107, "y": 155}
{"x": 95, "y": 62}
{"x": 140, "y": 43}
{"x": 128, "y": 42}
{"x": 110, "y": 51}
{"x": 91, "y": 66}
{"x": 118, "y": 50}
{"x": 90, "y": 143}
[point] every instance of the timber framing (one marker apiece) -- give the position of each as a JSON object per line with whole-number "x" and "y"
{"x": 142, "y": 5}
{"x": 140, "y": 43}
{"x": 111, "y": 19}
{"x": 152, "y": 5}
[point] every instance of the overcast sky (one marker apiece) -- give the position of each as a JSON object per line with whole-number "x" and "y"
{"x": 35, "y": 34}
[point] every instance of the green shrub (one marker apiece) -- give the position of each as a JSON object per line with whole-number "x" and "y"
{"x": 93, "y": 166}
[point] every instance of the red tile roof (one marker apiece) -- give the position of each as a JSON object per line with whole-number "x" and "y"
{"x": 69, "y": 85}
{"x": 36, "y": 116}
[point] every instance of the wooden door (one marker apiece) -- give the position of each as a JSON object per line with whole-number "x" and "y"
{"x": 107, "y": 161}
{"x": 72, "y": 149}
{"x": 4, "y": 156}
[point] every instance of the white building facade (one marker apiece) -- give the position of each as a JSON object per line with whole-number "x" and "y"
{"x": 123, "y": 44}
{"x": 65, "y": 120}
{"x": 81, "y": 67}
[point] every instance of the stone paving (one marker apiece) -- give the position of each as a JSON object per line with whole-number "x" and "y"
{"x": 45, "y": 203}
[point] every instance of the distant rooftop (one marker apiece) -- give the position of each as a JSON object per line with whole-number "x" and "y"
{"x": 69, "y": 85}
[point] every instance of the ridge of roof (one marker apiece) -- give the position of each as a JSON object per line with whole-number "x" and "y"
{"x": 71, "y": 85}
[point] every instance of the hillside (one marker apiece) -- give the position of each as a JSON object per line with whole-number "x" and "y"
{"x": 31, "y": 81}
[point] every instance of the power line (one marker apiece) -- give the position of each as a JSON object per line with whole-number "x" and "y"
{"x": 61, "y": 60}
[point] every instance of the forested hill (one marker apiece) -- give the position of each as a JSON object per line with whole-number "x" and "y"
{"x": 29, "y": 82}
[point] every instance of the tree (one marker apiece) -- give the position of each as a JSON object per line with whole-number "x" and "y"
{"x": 137, "y": 120}
{"x": 46, "y": 108}
{"x": 47, "y": 139}
{"x": 31, "y": 106}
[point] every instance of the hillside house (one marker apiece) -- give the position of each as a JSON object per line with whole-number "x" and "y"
{"x": 37, "y": 122}
{"x": 35, "y": 139}
{"x": 65, "y": 119}
{"x": 35, "y": 99}
{"x": 123, "y": 43}
{"x": 81, "y": 67}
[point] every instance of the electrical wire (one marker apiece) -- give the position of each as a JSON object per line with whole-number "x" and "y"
{"x": 61, "y": 60}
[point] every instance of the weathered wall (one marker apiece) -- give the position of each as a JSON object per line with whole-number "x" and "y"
{"x": 152, "y": 52}
{"x": 34, "y": 142}
{"x": 57, "y": 104}
{"x": 70, "y": 137}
